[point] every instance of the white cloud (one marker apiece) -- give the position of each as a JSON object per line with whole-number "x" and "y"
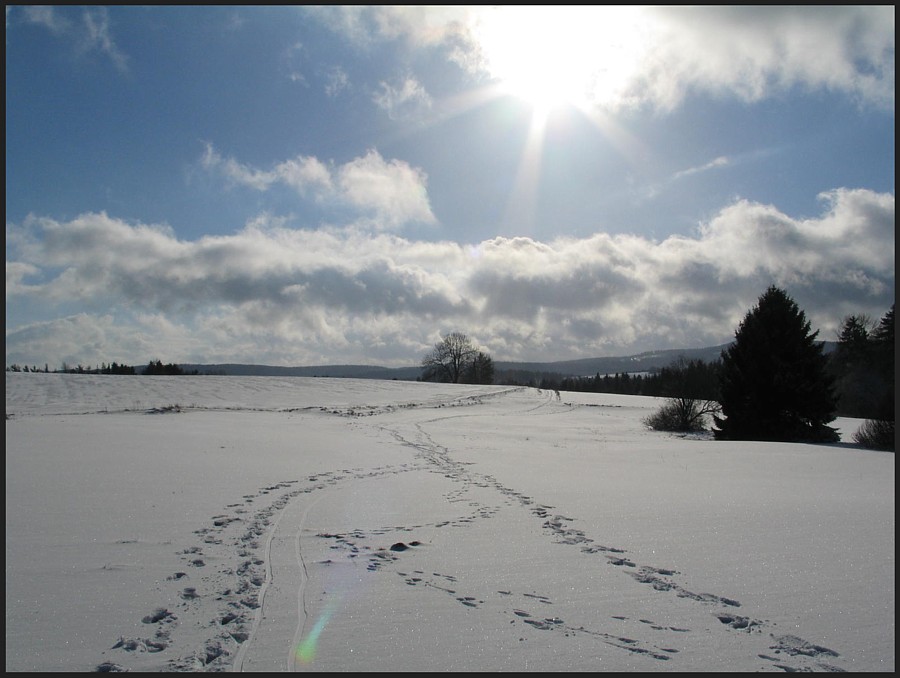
{"x": 749, "y": 237}
{"x": 721, "y": 161}
{"x": 387, "y": 194}
{"x": 394, "y": 191}
{"x": 98, "y": 37}
{"x": 303, "y": 173}
{"x": 405, "y": 100}
{"x": 658, "y": 55}
{"x": 652, "y": 190}
{"x": 337, "y": 81}
{"x": 273, "y": 294}
{"x": 16, "y": 272}
{"x": 45, "y": 16}
{"x": 291, "y": 55}
{"x": 91, "y": 34}
{"x": 753, "y": 52}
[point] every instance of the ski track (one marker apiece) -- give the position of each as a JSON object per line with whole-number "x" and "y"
{"x": 243, "y": 573}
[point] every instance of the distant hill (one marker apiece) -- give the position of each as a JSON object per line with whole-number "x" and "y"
{"x": 642, "y": 362}
{"x": 520, "y": 372}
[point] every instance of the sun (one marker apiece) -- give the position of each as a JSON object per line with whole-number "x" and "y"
{"x": 556, "y": 56}
{"x": 584, "y": 58}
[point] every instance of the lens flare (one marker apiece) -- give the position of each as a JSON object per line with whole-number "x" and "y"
{"x": 306, "y": 650}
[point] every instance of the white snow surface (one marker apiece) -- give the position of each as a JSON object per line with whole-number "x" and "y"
{"x": 208, "y": 523}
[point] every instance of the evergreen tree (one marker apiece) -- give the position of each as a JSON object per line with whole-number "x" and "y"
{"x": 884, "y": 333}
{"x": 858, "y": 381}
{"x": 871, "y": 382}
{"x": 773, "y": 384}
{"x": 854, "y": 332}
{"x": 883, "y": 337}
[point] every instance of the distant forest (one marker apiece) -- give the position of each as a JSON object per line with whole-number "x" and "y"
{"x": 154, "y": 367}
{"x": 701, "y": 377}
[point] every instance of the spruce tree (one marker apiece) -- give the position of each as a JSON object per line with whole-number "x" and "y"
{"x": 858, "y": 382}
{"x": 774, "y": 384}
{"x": 885, "y": 347}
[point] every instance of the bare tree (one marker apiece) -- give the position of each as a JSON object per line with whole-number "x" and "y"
{"x": 449, "y": 359}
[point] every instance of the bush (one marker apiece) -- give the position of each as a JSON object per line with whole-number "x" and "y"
{"x": 682, "y": 414}
{"x": 876, "y": 434}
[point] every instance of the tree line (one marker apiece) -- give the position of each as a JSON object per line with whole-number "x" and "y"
{"x": 154, "y": 367}
{"x": 696, "y": 375}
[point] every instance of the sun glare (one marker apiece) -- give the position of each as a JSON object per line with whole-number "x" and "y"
{"x": 551, "y": 56}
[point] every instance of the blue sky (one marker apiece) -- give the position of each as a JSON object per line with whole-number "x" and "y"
{"x": 300, "y": 186}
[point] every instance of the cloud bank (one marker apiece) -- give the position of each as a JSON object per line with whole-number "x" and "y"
{"x": 291, "y": 296}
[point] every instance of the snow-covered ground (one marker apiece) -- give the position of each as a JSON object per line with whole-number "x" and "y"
{"x": 295, "y": 524}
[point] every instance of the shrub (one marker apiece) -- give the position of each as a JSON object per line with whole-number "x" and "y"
{"x": 876, "y": 434}
{"x": 682, "y": 414}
